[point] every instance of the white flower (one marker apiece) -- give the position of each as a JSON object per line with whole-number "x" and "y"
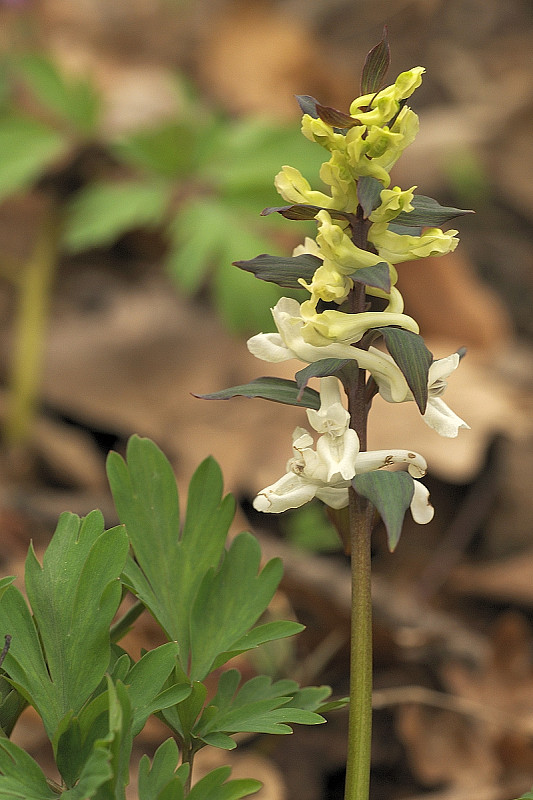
{"x": 326, "y": 471}
{"x": 289, "y": 343}
{"x": 437, "y": 415}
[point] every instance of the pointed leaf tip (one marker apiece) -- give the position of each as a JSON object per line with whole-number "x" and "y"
{"x": 376, "y": 65}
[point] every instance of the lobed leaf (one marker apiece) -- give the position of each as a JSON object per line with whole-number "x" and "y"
{"x": 214, "y": 785}
{"x": 170, "y": 567}
{"x": 279, "y": 390}
{"x": 162, "y": 774}
{"x": 21, "y": 778}
{"x": 229, "y": 602}
{"x": 391, "y": 493}
{"x": 100, "y": 213}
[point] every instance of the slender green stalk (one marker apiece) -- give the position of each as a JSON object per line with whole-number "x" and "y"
{"x": 121, "y": 627}
{"x": 30, "y": 327}
{"x": 360, "y": 716}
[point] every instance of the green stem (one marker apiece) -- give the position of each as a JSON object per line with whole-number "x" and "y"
{"x": 123, "y": 625}
{"x": 357, "y": 784}
{"x": 30, "y": 326}
{"x": 360, "y": 716}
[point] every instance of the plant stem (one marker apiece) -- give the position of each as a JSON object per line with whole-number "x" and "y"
{"x": 30, "y": 326}
{"x": 123, "y": 625}
{"x": 357, "y": 784}
{"x": 360, "y": 716}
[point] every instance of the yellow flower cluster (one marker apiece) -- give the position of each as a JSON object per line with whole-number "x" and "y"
{"x": 380, "y": 126}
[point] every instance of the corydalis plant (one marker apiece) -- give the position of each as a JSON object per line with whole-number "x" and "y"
{"x": 364, "y": 229}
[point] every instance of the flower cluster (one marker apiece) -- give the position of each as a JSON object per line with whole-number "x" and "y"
{"x": 365, "y": 228}
{"x": 326, "y": 472}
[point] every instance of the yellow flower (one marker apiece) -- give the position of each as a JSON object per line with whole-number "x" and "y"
{"x": 393, "y": 202}
{"x": 294, "y": 188}
{"x": 395, "y": 247}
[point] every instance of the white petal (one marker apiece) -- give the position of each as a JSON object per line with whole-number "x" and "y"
{"x": 376, "y": 459}
{"x": 333, "y": 497}
{"x": 421, "y": 508}
{"x": 269, "y": 347}
{"x": 442, "y": 419}
{"x": 442, "y": 368}
{"x": 291, "y": 491}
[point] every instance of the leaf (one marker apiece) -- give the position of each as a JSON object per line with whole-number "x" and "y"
{"x": 145, "y": 681}
{"x": 229, "y": 602}
{"x": 27, "y": 149}
{"x": 283, "y": 270}
{"x": 279, "y": 390}
{"x": 307, "y": 104}
{"x": 21, "y": 778}
{"x": 391, "y": 493}
{"x": 376, "y": 66}
{"x": 427, "y": 212}
{"x": 163, "y": 773}
{"x": 413, "y": 358}
{"x": 75, "y": 101}
{"x": 318, "y": 369}
{"x": 260, "y": 706}
{"x": 213, "y": 785}
{"x": 95, "y": 772}
{"x": 165, "y": 150}
{"x": 119, "y": 741}
{"x": 269, "y": 632}
{"x": 170, "y": 567}
{"x": 100, "y": 213}
{"x": 59, "y": 656}
{"x": 369, "y": 194}
{"x": 302, "y": 211}
{"x": 335, "y": 118}
{"x": 377, "y": 275}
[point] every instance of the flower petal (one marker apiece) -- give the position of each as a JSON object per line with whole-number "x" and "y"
{"x": 442, "y": 419}
{"x": 421, "y": 509}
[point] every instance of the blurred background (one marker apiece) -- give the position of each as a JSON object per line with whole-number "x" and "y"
{"x": 138, "y": 145}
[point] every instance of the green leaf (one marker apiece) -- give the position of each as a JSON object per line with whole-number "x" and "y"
{"x": 302, "y": 211}
{"x": 229, "y": 601}
{"x": 427, "y": 212}
{"x": 165, "y": 150}
{"x": 369, "y": 194}
{"x": 163, "y": 773}
{"x": 260, "y": 706}
{"x": 413, "y": 358}
{"x": 378, "y": 276}
{"x": 58, "y": 657}
{"x": 27, "y": 149}
{"x": 95, "y": 772}
{"x": 102, "y": 212}
{"x": 391, "y": 493}
{"x": 170, "y": 568}
{"x": 376, "y": 66}
{"x": 145, "y": 680}
{"x": 213, "y": 785}
{"x": 21, "y": 778}
{"x": 119, "y": 741}
{"x": 75, "y": 101}
{"x": 269, "y": 632}
{"x": 279, "y": 390}
{"x": 318, "y": 369}
{"x": 285, "y": 271}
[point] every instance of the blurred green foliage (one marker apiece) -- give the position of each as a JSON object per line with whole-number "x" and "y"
{"x": 200, "y": 180}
